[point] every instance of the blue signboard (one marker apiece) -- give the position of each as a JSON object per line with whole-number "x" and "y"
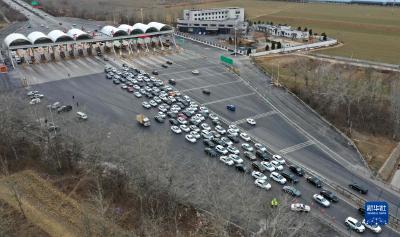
{"x": 376, "y": 213}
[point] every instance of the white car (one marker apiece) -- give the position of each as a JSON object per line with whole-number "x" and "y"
{"x": 34, "y": 101}
{"x": 194, "y": 128}
{"x": 162, "y": 108}
{"x": 162, "y": 115}
{"x": 176, "y": 129}
{"x": 276, "y": 165}
{"x": 236, "y": 158}
{"x": 268, "y": 166}
{"x": 321, "y": 200}
{"x": 262, "y": 183}
{"x": 227, "y": 160}
{"x": 354, "y": 224}
{"x": 206, "y": 134}
{"x": 190, "y": 138}
{"x": 227, "y": 141}
{"x": 245, "y": 137}
{"x": 251, "y": 121}
{"x": 279, "y": 159}
{"x": 277, "y": 177}
{"x": 258, "y": 175}
{"x": 195, "y": 134}
{"x": 184, "y": 128}
{"x": 221, "y": 150}
{"x": 247, "y": 147}
{"x": 137, "y": 94}
{"x": 374, "y": 228}
{"x": 234, "y": 128}
{"x": 195, "y": 72}
{"x": 213, "y": 117}
{"x": 233, "y": 150}
{"x": 260, "y": 147}
{"x": 220, "y": 129}
{"x": 233, "y": 132}
{"x": 300, "y": 207}
{"x": 205, "y": 126}
{"x": 204, "y": 109}
{"x": 182, "y": 120}
{"x": 146, "y": 105}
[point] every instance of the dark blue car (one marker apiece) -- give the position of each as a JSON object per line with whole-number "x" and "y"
{"x": 231, "y": 108}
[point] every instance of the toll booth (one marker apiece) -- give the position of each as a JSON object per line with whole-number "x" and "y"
{"x": 71, "y": 53}
{"x": 80, "y": 52}
{"x": 52, "y": 56}
{"x": 62, "y": 54}
{"x": 42, "y": 58}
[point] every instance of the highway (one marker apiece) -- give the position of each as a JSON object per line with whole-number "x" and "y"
{"x": 284, "y": 124}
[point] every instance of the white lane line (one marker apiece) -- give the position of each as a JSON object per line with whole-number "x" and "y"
{"x": 209, "y": 86}
{"x": 229, "y": 98}
{"x": 258, "y": 116}
{"x": 201, "y": 76}
{"x": 296, "y": 147}
{"x": 140, "y": 63}
{"x": 190, "y": 70}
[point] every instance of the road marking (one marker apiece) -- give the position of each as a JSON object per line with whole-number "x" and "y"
{"x": 214, "y": 85}
{"x": 201, "y": 76}
{"x": 258, "y": 116}
{"x": 229, "y": 98}
{"x": 190, "y": 70}
{"x": 296, "y": 147}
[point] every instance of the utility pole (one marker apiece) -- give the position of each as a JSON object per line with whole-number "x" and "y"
{"x": 235, "y": 40}
{"x": 141, "y": 13}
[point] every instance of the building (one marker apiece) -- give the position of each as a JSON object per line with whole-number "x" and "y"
{"x": 216, "y": 20}
{"x": 282, "y": 31}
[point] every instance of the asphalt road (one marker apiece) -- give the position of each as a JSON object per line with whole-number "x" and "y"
{"x": 99, "y": 98}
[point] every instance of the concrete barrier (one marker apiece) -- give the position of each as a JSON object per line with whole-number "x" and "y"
{"x": 387, "y": 168}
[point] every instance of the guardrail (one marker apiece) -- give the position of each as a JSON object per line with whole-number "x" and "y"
{"x": 209, "y": 43}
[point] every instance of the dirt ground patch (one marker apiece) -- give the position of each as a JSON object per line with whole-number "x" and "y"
{"x": 49, "y": 209}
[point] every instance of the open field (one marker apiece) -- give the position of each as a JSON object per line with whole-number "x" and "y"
{"x": 368, "y": 32}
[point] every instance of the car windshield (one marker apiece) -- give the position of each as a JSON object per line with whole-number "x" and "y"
{"x": 358, "y": 224}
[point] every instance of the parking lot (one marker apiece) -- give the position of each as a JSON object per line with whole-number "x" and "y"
{"x": 102, "y": 100}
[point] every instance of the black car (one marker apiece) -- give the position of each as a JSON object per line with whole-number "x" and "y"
{"x": 241, "y": 168}
{"x": 164, "y": 66}
{"x": 314, "y": 181}
{"x": 64, "y": 108}
{"x": 218, "y": 141}
{"x": 258, "y": 166}
{"x": 208, "y": 143}
{"x": 169, "y": 62}
{"x": 297, "y": 170}
{"x": 234, "y": 139}
{"x": 171, "y": 114}
{"x": 358, "y": 188}
{"x": 174, "y": 122}
{"x": 206, "y": 91}
{"x": 211, "y": 152}
{"x": 217, "y": 122}
{"x": 155, "y": 73}
{"x": 262, "y": 155}
{"x": 329, "y": 195}
{"x": 289, "y": 177}
{"x": 172, "y": 81}
{"x": 159, "y": 119}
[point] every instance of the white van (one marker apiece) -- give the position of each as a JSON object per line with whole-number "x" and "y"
{"x": 81, "y": 115}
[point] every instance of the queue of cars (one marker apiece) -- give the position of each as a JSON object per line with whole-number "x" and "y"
{"x": 226, "y": 142}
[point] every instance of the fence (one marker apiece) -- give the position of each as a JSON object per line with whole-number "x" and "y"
{"x": 321, "y": 44}
{"x": 209, "y": 43}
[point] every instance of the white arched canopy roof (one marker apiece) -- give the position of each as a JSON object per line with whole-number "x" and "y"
{"x": 113, "y": 31}
{"x": 127, "y": 28}
{"x": 140, "y": 28}
{"x": 38, "y": 37}
{"x": 77, "y": 34}
{"x": 160, "y": 26}
{"x": 16, "y": 39}
{"x": 59, "y": 36}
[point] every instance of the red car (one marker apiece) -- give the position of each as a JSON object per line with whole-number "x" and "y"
{"x": 130, "y": 89}
{"x": 181, "y": 115}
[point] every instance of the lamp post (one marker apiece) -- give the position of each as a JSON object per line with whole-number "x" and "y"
{"x": 235, "y": 40}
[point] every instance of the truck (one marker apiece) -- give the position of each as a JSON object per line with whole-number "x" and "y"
{"x": 143, "y": 120}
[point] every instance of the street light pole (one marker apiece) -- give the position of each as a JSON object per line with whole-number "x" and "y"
{"x": 235, "y": 40}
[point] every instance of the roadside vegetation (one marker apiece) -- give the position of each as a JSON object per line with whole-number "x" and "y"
{"x": 89, "y": 180}
{"x": 362, "y": 102}
{"x": 8, "y": 15}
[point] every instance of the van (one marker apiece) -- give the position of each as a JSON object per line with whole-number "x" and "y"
{"x": 81, "y": 115}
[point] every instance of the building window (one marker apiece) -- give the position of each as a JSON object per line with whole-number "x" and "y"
{"x": 196, "y": 24}
{"x": 213, "y": 25}
{"x": 237, "y": 12}
{"x": 202, "y": 14}
{"x": 230, "y": 25}
{"x": 204, "y": 25}
{"x": 221, "y": 25}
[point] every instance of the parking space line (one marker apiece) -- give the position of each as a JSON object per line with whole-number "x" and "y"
{"x": 229, "y": 98}
{"x": 258, "y": 116}
{"x": 209, "y": 86}
{"x": 296, "y": 147}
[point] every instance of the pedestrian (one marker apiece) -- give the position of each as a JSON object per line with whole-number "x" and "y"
{"x": 77, "y": 105}
{"x": 73, "y": 97}
{"x": 69, "y": 75}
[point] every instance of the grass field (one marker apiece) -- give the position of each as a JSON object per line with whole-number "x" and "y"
{"x": 368, "y": 32}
